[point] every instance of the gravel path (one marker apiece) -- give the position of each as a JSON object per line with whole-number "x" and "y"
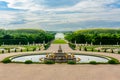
{"x": 54, "y": 48}
{"x": 59, "y": 72}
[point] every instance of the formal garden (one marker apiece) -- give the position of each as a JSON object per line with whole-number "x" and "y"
{"x": 27, "y": 40}
{"x": 59, "y": 41}
{"x": 98, "y": 40}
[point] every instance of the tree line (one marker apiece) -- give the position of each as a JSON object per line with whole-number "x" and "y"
{"x": 24, "y": 36}
{"x": 95, "y": 36}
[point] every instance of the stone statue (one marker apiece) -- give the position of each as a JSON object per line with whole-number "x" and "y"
{"x": 60, "y": 56}
{"x": 60, "y": 49}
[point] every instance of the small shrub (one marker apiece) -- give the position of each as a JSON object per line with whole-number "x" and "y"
{"x": 8, "y": 50}
{"x": 15, "y": 50}
{"x": 112, "y": 61}
{"x": 80, "y": 48}
{"x": 85, "y": 49}
{"x": 28, "y": 62}
{"x": 105, "y": 50}
{"x": 27, "y": 50}
{"x": 7, "y": 60}
{"x": 118, "y": 52}
{"x": 49, "y": 62}
{"x": 34, "y": 49}
{"x": 21, "y": 50}
{"x": 98, "y": 50}
{"x": 92, "y": 49}
{"x": 39, "y": 48}
{"x": 93, "y": 62}
{"x": 3, "y": 51}
{"x": 112, "y": 51}
{"x": 71, "y": 62}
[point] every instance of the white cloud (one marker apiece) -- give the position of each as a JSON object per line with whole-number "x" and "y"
{"x": 23, "y": 4}
{"x": 37, "y": 5}
{"x": 40, "y": 16}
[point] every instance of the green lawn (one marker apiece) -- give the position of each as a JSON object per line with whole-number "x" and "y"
{"x": 18, "y": 48}
{"x": 101, "y": 47}
{"x": 59, "y": 41}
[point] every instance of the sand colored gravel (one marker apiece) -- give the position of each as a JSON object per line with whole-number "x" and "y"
{"x": 59, "y": 72}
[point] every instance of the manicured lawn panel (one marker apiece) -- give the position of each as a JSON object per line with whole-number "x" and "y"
{"x": 59, "y": 41}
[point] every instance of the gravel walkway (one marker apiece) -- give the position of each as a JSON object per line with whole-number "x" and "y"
{"x": 59, "y": 71}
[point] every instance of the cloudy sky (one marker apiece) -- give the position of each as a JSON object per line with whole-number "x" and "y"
{"x": 59, "y": 14}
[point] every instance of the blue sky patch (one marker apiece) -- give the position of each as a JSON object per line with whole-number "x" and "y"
{"x": 60, "y": 3}
{"x": 3, "y": 4}
{"x": 114, "y": 5}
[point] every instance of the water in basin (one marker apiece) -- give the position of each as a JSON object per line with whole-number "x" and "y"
{"x": 87, "y": 59}
{"x": 84, "y": 58}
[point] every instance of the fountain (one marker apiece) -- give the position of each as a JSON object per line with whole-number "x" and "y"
{"x": 60, "y": 57}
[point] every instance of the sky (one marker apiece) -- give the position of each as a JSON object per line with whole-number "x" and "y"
{"x": 59, "y": 15}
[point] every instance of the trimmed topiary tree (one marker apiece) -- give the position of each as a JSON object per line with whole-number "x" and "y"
{"x": 98, "y": 50}
{"x": 80, "y": 48}
{"x": 8, "y": 50}
{"x": 27, "y": 49}
{"x": 92, "y": 49}
{"x": 39, "y": 48}
{"x": 112, "y": 51}
{"x": 3, "y": 51}
{"x": 21, "y": 50}
{"x": 85, "y": 49}
{"x": 105, "y": 50}
{"x": 34, "y": 49}
{"x": 15, "y": 50}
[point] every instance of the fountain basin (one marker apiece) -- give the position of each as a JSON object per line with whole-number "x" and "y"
{"x": 83, "y": 58}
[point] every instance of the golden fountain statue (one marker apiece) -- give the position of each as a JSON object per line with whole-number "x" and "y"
{"x": 60, "y": 57}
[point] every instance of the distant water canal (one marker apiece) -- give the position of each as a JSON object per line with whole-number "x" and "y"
{"x": 59, "y": 36}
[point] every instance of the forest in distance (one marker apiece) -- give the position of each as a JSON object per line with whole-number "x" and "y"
{"x": 94, "y": 36}
{"x": 25, "y": 36}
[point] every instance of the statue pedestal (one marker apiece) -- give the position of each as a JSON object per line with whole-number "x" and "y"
{"x": 60, "y": 57}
